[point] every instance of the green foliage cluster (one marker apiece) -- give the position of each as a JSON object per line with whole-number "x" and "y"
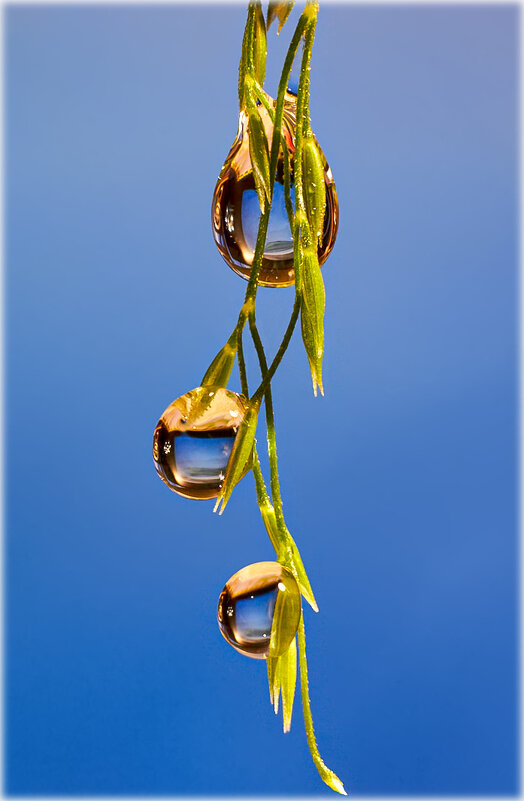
{"x": 306, "y": 222}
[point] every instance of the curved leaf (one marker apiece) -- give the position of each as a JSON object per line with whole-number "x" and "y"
{"x": 219, "y": 371}
{"x": 240, "y": 455}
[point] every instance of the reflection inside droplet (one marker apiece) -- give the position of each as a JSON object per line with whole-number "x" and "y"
{"x": 193, "y": 441}
{"x": 279, "y": 239}
{"x": 201, "y": 457}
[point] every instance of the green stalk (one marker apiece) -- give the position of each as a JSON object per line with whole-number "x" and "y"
{"x": 327, "y": 775}
{"x": 270, "y": 424}
{"x": 301, "y": 130}
{"x": 280, "y": 352}
{"x": 242, "y": 364}
{"x": 271, "y": 506}
{"x": 252, "y": 286}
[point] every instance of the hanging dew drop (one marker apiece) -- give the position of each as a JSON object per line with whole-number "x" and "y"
{"x": 192, "y": 460}
{"x": 236, "y": 211}
{"x": 246, "y": 609}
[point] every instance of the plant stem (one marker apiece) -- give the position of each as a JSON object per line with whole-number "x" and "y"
{"x": 280, "y": 352}
{"x": 242, "y": 364}
{"x": 252, "y": 286}
{"x": 270, "y": 424}
{"x": 301, "y": 229}
{"x": 327, "y": 775}
{"x": 261, "y": 95}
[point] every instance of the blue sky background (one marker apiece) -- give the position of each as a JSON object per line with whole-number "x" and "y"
{"x": 399, "y": 486}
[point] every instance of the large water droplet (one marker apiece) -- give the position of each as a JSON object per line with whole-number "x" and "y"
{"x": 194, "y": 438}
{"x": 235, "y": 211}
{"x": 247, "y": 604}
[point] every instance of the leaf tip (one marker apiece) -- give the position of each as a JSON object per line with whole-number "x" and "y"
{"x": 317, "y": 385}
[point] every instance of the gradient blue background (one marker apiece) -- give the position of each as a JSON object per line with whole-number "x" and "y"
{"x": 399, "y": 486}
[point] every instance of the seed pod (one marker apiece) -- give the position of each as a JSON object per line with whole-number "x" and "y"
{"x": 281, "y": 10}
{"x": 314, "y": 186}
{"x": 259, "y": 155}
{"x": 312, "y": 315}
{"x": 260, "y": 46}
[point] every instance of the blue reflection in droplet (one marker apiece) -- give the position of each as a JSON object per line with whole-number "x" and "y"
{"x": 253, "y": 617}
{"x": 201, "y": 459}
{"x": 279, "y": 239}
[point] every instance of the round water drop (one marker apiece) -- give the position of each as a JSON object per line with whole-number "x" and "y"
{"x": 235, "y": 211}
{"x": 246, "y": 609}
{"x": 193, "y": 441}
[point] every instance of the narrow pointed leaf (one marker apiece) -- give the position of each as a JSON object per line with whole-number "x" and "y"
{"x": 327, "y": 775}
{"x": 260, "y": 46}
{"x": 219, "y": 371}
{"x": 270, "y": 521}
{"x": 314, "y": 186}
{"x": 285, "y": 615}
{"x": 259, "y": 155}
{"x": 288, "y": 680}
{"x": 287, "y": 552}
{"x": 273, "y": 674}
{"x": 312, "y": 314}
{"x": 297, "y": 568}
{"x": 281, "y": 10}
{"x": 240, "y": 455}
{"x": 271, "y": 663}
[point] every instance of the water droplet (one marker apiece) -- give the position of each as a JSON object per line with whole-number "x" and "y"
{"x": 247, "y": 603}
{"x": 193, "y": 462}
{"x": 236, "y": 211}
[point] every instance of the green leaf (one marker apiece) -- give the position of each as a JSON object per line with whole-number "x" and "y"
{"x": 219, "y": 371}
{"x": 294, "y": 562}
{"x": 242, "y": 67}
{"x": 259, "y": 155}
{"x": 314, "y": 186}
{"x": 280, "y": 10}
{"x": 312, "y": 314}
{"x": 260, "y": 46}
{"x": 288, "y": 680}
{"x": 270, "y": 521}
{"x": 273, "y": 675}
{"x": 240, "y": 455}
{"x": 287, "y": 552}
{"x": 327, "y": 775}
{"x": 285, "y": 615}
